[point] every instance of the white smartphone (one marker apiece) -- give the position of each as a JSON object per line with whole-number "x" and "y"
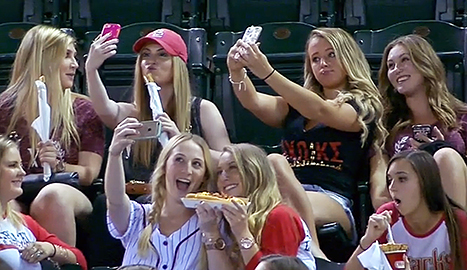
{"x": 149, "y": 130}
{"x": 250, "y": 36}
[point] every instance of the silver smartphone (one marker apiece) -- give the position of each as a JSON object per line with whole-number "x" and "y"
{"x": 149, "y": 130}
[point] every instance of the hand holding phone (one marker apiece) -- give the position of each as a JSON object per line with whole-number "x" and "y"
{"x": 421, "y": 129}
{"x": 113, "y": 29}
{"x": 149, "y": 130}
{"x": 250, "y": 36}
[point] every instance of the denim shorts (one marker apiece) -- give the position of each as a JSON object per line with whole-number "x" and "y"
{"x": 343, "y": 201}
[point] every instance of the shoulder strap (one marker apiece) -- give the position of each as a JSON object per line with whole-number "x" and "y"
{"x": 196, "y": 127}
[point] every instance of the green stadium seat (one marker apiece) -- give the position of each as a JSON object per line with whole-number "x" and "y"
{"x": 448, "y": 40}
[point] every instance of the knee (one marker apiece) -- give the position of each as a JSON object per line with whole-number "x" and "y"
{"x": 447, "y": 155}
{"x": 278, "y": 161}
{"x": 49, "y": 200}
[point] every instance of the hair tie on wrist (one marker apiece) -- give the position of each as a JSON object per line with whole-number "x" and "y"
{"x": 270, "y": 74}
{"x": 55, "y": 251}
{"x": 360, "y": 245}
{"x": 241, "y": 83}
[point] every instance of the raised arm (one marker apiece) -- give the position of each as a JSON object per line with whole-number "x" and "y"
{"x": 271, "y": 110}
{"x": 306, "y": 102}
{"x": 108, "y": 110}
{"x": 118, "y": 203}
{"x": 214, "y": 131}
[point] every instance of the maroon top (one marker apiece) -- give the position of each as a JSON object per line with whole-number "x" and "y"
{"x": 89, "y": 126}
{"x": 456, "y": 137}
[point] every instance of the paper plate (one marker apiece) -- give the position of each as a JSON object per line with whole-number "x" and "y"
{"x": 193, "y": 203}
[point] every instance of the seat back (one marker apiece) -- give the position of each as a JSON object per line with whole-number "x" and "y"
{"x": 377, "y": 14}
{"x": 11, "y": 35}
{"x": 21, "y": 11}
{"x": 284, "y": 45}
{"x": 448, "y": 40}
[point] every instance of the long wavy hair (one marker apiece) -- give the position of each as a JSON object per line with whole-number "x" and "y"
{"x": 8, "y": 212}
{"x": 443, "y": 104}
{"x": 41, "y": 53}
{"x": 179, "y": 108}
{"x": 258, "y": 178}
{"x": 360, "y": 86}
{"x": 433, "y": 194}
{"x": 159, "y": 188}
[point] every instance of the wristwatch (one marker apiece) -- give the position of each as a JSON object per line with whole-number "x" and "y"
{"x": 213, "y": 243}
{"x": 246, "y": 243}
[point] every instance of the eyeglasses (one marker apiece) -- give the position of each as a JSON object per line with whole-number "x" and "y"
{"x": 13, "y": 136}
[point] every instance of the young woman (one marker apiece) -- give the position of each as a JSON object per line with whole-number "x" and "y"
{"x": 421, "y": 215}
{"x": 164, "y": 233}
{"x": 23, "y": 242}
{"x": 266, "y": 226}
{"x": 163, "y": 54}
{"x": 76, "y": 140}
{"x": 413, "y": 82}
{"x": 330, "y": 125}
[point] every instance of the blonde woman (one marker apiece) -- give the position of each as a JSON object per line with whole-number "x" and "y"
{"x": 164, "y": 233}
{"x": 413, "y": 82}
{"x": 163, "y": 54}
{"x": 266, "y": 226}
{"x": 331, "y": 125}
{"x": 77, "y": 138}
{"x": 24, "y": 243}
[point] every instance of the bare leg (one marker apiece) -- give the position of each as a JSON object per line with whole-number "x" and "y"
{"x": 56, "y": 207}
{"x": 453, "y": 174}
{"x": 295, "y": 196}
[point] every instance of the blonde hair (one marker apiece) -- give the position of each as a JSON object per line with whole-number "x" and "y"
{"x": 360, "y": 86}
{"x": 41, "y": 53}
{"x": 159, "y": 189}
{"x": 179, "y": 108}
{"x": 15, "y": 217}
{"x": 258, "y": 178}
{"x": 444, "y": 105}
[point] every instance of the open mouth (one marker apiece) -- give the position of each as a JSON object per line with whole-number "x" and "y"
{"x": 183, "y": 184}
{"x": 397, "y": 201}
{"x": 402, "y": 79}
{"x": 230, "y": 187}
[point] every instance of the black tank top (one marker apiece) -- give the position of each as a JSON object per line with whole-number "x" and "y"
{"x": 136, "y": 171}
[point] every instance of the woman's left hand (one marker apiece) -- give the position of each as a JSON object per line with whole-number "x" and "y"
{"x": 255, "y": 60}
{"x": 168, "y": 125}
{"x": 37, "y": 251}
{"x": 237, "y": 216}
{"x": 438, "y": 136}
{"x": 48, "y": 153}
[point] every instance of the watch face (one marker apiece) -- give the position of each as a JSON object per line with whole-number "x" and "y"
{"x": 220, "y": 244}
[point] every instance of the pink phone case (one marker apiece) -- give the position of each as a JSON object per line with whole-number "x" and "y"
{"x": 113, "y": 28}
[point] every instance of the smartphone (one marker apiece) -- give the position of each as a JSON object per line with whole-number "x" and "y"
{"x": 250, "y": 36}
{"x": 424, "y": 129}
{"x": 149, "y": 130}
{"x": 113, "y": 28}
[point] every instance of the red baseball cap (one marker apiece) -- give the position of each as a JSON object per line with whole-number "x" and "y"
{"x": 172, "y": 42}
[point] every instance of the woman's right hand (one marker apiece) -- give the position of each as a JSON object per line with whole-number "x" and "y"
{"x": 377, "y": 225}
{"x": 101, "y": 49}
{"x": 209, "y": 219}
{"x": 120, "y": 140}
{"x": 235, "y": 62}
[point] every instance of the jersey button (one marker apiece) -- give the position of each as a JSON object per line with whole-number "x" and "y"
{"x": 165, "y": 243}
{"x": 164, "y": 266}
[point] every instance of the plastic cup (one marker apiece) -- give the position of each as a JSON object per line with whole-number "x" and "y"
{"x": 395, "y": 254}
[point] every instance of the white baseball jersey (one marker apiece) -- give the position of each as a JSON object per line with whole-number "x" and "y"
{"x": 430, "y": 251}
{"x": 12, "y": 240}
{"x": 179, "y": 251}
{"x": 304, "y": 250}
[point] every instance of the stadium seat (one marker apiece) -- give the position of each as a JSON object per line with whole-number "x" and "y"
{"x": 237, "y": 15}
{"x": 21, "y": 11}
{"x": 448, "y": 40}
{"x": 377, "y": 14}
{"x": 10, "y": 36}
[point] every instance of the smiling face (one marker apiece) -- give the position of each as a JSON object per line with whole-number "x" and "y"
{"x": 185, "y": 169}
{"x": 404, "y": 187}
{"x": 11, "y": 175}
{"x": 68, "y": 67}
{"x": 402, "y": 73}
{"x": 326, "y": 68}
{"x": 155, "y": 60}
{"x": 229, "y": 180}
